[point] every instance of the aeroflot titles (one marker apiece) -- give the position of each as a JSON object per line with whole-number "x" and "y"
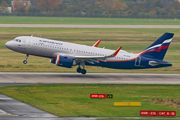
{"x": 50, "y": 42}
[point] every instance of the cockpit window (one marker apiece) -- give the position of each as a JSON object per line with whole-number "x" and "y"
{"x": 17, "y": 40}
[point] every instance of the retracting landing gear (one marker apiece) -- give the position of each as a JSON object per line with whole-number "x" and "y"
{"x": 82, "y": 71}
{"x": 25, "y": 61}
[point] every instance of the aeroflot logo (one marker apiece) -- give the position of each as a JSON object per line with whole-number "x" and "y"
{"x": 45, "y": 41}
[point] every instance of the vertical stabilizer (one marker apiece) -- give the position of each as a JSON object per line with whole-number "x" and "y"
{"x": 159, "y": 48}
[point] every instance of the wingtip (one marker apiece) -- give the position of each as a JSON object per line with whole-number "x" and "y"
{"x": 117, "y": 51}
{"x": 97, "y": 43}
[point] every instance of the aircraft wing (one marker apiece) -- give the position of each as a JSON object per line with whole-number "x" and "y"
{"x": 92, "y": 59}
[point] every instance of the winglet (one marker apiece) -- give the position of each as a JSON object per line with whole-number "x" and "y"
{"x": 97, "y": 43}
{"x": 117, "y": 51}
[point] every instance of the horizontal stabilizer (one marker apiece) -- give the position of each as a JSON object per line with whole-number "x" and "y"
{"x": 155, "y": 63}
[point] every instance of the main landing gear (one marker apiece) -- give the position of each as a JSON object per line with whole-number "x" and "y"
{"x": 82, "y": 71}
{"x": 25, "y": 61}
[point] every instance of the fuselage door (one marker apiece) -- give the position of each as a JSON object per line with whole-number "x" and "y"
{"x": 138, "y": 61}
{"x": 29, "y": 42}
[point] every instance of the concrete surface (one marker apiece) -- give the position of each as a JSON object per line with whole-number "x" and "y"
{"x": 106, "y": 78}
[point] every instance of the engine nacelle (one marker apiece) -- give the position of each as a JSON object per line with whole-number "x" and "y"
{"x": 52, "y": 60}
{"x": 65, "y": 61}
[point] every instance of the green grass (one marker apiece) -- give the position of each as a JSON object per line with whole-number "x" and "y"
{"x": 141, "y": 119}
{"x": 131, "y": 40}
{"x": 79, "y": 20}
{"x": 74, "y": 99}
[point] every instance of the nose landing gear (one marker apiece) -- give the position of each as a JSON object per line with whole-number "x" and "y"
{"x": 25, "y": 61}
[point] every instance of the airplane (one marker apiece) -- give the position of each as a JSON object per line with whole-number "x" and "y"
{"x": 67, "y": 54}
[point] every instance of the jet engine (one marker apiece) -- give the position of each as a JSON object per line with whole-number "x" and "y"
{"x": 65, "y": 61}
{"x": 52, "y": 60}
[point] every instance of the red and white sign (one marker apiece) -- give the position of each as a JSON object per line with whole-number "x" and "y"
{"x": 158, "y": 113}
{"x": 148, "y": 113}
{"x": 167, "y": 113}
{"x": 162, "y": 113}
{"x": 103, "y": 96}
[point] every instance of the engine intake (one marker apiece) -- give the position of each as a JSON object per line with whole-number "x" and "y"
{"x": 65, "y": 61}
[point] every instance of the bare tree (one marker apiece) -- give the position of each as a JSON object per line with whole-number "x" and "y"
{"x": 48, "y": 5}
{"x": 112, "y": 6}
{"x": 3, "y": 7}
{"x": 19, "y": 6}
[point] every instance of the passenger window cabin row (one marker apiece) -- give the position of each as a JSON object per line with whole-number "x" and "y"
{"x": 77, "y": 51}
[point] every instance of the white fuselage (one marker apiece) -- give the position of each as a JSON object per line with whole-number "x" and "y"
{"x": 51, "y": 48}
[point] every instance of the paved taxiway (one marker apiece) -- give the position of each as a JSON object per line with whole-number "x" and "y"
{"x": 12, "y": 109}
{"x": 88, "y": 26}
{"x": 114, "y": 78}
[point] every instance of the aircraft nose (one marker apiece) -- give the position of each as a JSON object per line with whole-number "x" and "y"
{"x": 8, "y": 44}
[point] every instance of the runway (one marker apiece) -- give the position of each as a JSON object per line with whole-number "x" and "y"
{"x": 88, "y": 26}
{"x": 104, "y": 78}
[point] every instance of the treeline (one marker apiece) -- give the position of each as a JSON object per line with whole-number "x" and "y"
{"x": 108, "y": 8}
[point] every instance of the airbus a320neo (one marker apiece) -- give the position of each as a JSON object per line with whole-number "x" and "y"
{"x": 66, "y": 54}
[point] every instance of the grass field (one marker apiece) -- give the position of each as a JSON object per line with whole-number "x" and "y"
{"x": 131, "y": 40}
{"x": 138, "y": 119}
{"x": 79, "y": 20}
{"x": 74, "y": 99}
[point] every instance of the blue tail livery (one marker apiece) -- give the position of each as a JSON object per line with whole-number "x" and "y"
{"x": 159, "y": 48}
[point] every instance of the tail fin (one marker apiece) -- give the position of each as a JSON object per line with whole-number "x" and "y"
{"x": 159, "y": 47}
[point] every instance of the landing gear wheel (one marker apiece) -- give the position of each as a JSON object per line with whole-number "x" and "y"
{"x": 25, "y": 61}
{"x": 83, "y": 71}
{"x": 79, "y": 70}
